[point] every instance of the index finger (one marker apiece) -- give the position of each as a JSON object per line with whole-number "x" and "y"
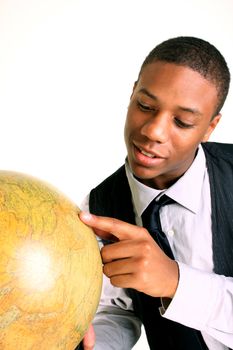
{"x": 111, "y": 227}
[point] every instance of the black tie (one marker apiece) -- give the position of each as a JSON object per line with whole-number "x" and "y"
{"x": 151, "y": 220}
{"x": 178, "y": 336}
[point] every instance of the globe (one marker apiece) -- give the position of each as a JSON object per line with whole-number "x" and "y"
{"x": 50, "y": 267}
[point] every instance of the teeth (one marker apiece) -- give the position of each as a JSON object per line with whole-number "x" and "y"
{"x": 147, "y": 154}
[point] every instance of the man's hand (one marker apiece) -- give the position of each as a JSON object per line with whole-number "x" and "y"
{"x": 88, "y": 341}
{"x": 134, "y": 260}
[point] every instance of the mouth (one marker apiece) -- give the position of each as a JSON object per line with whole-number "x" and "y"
{"x": 148, "y": 154}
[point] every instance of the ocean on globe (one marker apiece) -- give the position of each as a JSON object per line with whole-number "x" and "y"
{"x": 50, "y": 267}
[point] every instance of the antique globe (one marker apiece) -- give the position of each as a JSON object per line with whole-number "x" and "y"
{"x": 50, "y": 267}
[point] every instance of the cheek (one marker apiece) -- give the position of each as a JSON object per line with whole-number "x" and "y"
{"x": 128, "y": 130}
{"x": 130, "y": 123}
{"x": 184, "y": 143}
{"x": 188, "y": 138}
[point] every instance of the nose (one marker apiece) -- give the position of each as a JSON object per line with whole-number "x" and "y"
{"x": 156, "y": 128}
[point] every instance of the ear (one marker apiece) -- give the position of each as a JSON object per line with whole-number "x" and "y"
{"x": 211, "y": 127}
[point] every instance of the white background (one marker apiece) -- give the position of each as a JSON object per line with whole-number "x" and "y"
{"x": 66, "y": 72}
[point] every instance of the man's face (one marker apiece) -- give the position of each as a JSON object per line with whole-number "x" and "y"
{"x": 169, "y": 114}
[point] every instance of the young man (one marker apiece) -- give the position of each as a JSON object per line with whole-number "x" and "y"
{"x": 181, "y": 289}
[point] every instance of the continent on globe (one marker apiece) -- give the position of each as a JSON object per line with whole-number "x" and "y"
{"x": 50, "y": 267}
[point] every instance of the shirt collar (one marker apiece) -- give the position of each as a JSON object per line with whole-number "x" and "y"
{"x": 186, "y": 191}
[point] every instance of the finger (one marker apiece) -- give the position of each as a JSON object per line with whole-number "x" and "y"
{"x": 89, "y": 339}
{"x": 124, "y": 281}
{"x": 111, "y": 227}
{"x": 105, "y": 235}
{"x": 119, "y": 267}
{"x": 124, "y": 249}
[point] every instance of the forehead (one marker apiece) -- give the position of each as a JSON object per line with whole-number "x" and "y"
{"x": 176, "y": 83}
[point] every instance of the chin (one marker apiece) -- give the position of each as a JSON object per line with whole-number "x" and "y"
{"x": 143, "y": 173}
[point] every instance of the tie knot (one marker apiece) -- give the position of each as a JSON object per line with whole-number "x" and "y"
{"x": 152, "y": 211}
{"x": 164, "y": 200}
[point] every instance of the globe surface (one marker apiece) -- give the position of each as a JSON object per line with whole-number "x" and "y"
{"x": 50, "y": 267}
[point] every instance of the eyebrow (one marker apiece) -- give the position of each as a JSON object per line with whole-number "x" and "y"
{"x": 146, "y": 92}
{"x": 193, "y": 111}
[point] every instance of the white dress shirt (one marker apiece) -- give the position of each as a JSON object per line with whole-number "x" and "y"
{"x": 203, "y": 300}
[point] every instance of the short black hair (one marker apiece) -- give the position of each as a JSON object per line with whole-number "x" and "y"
{"x": 199, "y": 55}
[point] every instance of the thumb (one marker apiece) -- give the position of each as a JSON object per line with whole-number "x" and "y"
{"x": 89, "y": 339}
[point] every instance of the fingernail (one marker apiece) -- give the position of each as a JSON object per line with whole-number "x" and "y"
{"x": 85, "y": 215}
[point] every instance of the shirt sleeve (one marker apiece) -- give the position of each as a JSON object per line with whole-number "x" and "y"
{"x": 116, "y": 327}
{"x": 115, "y": 324}
{"x": 204, "y": 301}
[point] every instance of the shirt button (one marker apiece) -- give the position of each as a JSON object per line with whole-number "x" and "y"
{"x": 170, "y": 233}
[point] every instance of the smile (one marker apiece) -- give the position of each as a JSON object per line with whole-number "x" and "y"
{"x": 148, "y": 154}
{"x": 145, "y": 158}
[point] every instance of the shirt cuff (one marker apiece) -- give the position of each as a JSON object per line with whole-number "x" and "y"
{"x": 195, "y": 297}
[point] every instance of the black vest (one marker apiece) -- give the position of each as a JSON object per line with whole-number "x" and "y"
{"x": 113, "y": 198}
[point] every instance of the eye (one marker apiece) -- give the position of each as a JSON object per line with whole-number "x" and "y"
{"x": 182, "y": 125}
{"x": 145, "y": 108}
